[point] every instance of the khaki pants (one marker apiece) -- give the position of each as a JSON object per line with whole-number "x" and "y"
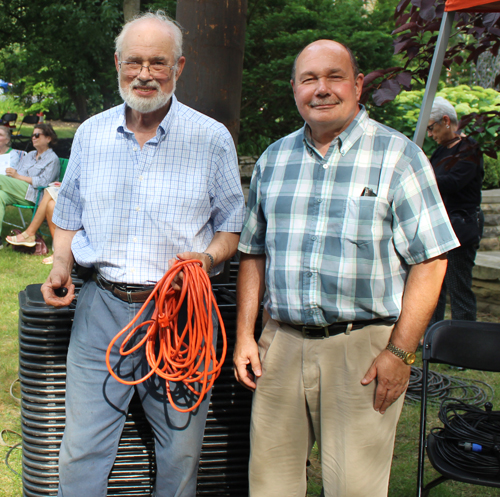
{"x": 310, "y": 391}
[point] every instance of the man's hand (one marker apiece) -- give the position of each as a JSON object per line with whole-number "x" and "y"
{"x": 246, "y": 352}
{"x": 392, "y": 376}
{"x": 58, "y": 278}
{"x": 185, "y": 256}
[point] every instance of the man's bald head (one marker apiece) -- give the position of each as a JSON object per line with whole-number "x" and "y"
{"x": 354, "y": 62}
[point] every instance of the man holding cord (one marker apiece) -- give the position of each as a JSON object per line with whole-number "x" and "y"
{"x": 345, "y": 238}
{"x": 147, "y": 181}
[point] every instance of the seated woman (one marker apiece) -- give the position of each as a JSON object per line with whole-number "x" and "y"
{"x": 38, "y": 168}
{"x": 5, "y": 148}
{"x": 44, "y": 211}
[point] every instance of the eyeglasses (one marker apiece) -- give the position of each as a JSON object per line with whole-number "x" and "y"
{"x": 156, "y": 69}
{"x": 37, "y": 135}
{"x": 431, "y": 127}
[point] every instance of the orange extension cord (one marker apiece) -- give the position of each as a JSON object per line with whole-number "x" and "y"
{"x": 178, "y": 361}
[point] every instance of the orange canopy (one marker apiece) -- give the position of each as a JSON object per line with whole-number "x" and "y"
{"x": 472, "y": 5}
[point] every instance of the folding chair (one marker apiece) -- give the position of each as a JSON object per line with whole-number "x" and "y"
{"x": 7, "y": 119}
{"x": 23, "y": 141}
{"x": 64, "y": 165}
{"x": 465, "y": 344}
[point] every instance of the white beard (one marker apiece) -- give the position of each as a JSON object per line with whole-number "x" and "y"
{"x": 145, "y": 104}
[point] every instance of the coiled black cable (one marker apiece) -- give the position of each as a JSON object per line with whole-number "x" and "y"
{"x": 442, "y": 386}
{"x": 470, "y": 437}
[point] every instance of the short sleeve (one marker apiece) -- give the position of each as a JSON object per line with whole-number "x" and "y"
{"x": 421, "y": 227}
{"x": 253, "y": 235}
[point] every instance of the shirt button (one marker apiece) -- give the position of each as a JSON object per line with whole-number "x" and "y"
{"x": 319, "y": 200}
{"x": 135, "y": 238}
{"x": 325, "y": 166}
{"x": 309, "y": 274}
{"x": 140, "y": 178}
{"x": 137, "y": 208}
{"x": 314, "y": 238}
{"x": 311, "y": 313}
{"x": 132, "y": 270}
{"x": 135, "y": 149}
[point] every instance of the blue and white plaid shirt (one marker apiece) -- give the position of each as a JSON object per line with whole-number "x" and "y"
{"x": 42, "y": 171}
{"x": 139, "y": 208}
{"x": 333, "y": 254}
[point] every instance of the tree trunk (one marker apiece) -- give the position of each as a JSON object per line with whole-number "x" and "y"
{"x": 131, "y": 8}
{"x": 214, "y": 43}
{"x": 80, "y": 102}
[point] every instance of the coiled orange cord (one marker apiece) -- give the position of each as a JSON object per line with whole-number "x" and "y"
{"x": 178, "y": 360}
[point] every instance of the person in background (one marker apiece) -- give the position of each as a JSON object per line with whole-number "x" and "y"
{"x": 459, "y": 180}
{"x": 5, "y": 146}
{"x": 37, "y": 168}
{"x": 44, "y": 212}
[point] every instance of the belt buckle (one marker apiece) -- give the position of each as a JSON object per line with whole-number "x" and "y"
{"x": 315, "y": 332}
{"x": 129, "y": 297}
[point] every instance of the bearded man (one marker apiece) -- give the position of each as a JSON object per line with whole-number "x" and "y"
{"x": 147, "y": 181}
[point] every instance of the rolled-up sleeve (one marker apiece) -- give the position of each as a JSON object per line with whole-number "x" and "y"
{"x": 227, "y": 200}
{"x": 68, "y": 211}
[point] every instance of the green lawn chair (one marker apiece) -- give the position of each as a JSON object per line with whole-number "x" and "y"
{"x": 64, "y": 165}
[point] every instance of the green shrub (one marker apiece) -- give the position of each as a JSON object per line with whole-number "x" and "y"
{"x": 403, "y": 113}
{"x": 491, "y": 173}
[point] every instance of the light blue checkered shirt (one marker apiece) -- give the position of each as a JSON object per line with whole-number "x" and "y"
{"x": 139, "y": 208}
{"x": 42, "y": 171}
{"x": 332, "y": 254}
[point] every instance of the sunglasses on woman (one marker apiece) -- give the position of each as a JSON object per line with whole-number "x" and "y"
{"x": 36, "y": 135}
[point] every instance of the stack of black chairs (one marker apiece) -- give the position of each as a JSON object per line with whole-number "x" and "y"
{"x": 43, "y": 338}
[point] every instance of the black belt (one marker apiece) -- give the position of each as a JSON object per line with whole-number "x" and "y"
{"x": 128, "y": 293}
{"x": 310, "y": 331}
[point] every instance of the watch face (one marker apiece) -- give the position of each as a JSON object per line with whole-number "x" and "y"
{"x": 410, "y": 358}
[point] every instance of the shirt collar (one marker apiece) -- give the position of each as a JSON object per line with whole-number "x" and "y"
{"x": 44, "y": 154}
{"x": 348, "y": 137}
{"x": 163, "y": 127}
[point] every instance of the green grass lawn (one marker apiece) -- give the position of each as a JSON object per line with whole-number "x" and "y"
{"x": 16, "y": 272}
{"x": 404, "y": 464}
{"x": 19, "y": 270}
{"x": 63, "y": 130}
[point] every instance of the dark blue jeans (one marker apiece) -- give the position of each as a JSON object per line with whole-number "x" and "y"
{"x": 96, "y": 406}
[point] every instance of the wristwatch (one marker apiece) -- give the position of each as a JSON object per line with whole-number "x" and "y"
{"x": 407, "y": 357}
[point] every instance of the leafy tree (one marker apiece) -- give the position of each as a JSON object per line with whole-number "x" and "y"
{"x": 276, "y": 31}
{"x": 465, "y": 99}
{"x": 62, "y": 51}
{"x": 474, "y": 35}
{"x": 66, "y": 42}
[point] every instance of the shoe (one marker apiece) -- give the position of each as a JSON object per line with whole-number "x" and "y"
{"x": 48, "y": 260}
{"x": 22, "y": 239}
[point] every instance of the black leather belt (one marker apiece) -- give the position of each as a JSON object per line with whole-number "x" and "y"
{"x": 128, "y": 293}
{"x": 310, "y": 331}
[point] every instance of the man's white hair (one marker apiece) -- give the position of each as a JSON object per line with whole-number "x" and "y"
{"x": 158, "y": 16}
{"x": 440, "y": 108}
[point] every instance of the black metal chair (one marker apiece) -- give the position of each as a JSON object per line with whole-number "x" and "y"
{"x": 22, "y": 142}
{"x": 7, "y": 119}
{"x": 467, "y": 344}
